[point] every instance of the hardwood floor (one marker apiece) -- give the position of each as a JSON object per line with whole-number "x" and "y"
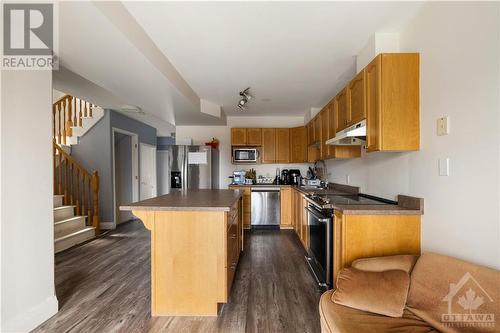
{"x": 104, "y": 286}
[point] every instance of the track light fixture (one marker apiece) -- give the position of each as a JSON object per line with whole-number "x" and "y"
{"x": 245, "y": 97}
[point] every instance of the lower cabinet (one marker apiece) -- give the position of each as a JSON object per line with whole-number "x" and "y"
{"x": 247, "y": 204}
{"x": 286, "y": 207}
{"x": 362, "y": 236}
{"x": 234, "y": 243}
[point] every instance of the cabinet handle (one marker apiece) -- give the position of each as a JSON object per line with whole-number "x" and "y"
{"x": 233, "y": 236}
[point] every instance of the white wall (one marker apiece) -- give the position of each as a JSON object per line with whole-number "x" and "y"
{"x": 202, "y": 134}
{"x": 27, "y": 236}
{"x": 459, "y": 46}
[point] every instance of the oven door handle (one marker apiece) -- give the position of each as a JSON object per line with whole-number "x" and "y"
{"x": 320, "y": 218}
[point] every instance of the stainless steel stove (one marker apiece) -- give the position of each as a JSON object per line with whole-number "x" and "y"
{"x": 320, "y": 229}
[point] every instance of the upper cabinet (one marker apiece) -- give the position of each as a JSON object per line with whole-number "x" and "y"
{"x": 324, "y": 118}
{"x": 246, "y": 137}
{"x": 254, "y": 136}
{"x": 268, "y": 150}
{"x": 298, "y": 144}
{"x": 392, "y": 102}
{"x": 357, "y": 100}
{"x": 342, "y": 110}
{"x": 282, "y": 145}
{"x": 238, "y": 136}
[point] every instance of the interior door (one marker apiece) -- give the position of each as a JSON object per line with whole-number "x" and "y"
{"x": 147, "y": 171}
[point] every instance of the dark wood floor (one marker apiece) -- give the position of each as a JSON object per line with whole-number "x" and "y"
{"x": 104, "y": 286}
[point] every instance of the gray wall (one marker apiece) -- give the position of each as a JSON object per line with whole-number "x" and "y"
{"x": 94, "y": 152}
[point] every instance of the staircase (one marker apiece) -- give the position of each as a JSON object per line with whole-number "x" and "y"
{"x": 69, "y": 230}
{"x": 76, "y": 190}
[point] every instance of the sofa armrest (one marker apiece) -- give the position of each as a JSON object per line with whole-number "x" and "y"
{"x": 380, "y": 264}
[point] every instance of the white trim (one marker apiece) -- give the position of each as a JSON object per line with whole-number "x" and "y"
{"x": 135, "y": 168}
{"x": 155, "y": 180}
{"x": 29, "y": 320}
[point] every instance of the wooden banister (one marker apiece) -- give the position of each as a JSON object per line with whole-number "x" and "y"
{"x": 79, "y": 187}
{"x": 67, "y": 112}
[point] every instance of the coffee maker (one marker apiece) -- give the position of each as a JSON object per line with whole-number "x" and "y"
{"x": 284, "y": 177}
{"x": 294, "y": 177}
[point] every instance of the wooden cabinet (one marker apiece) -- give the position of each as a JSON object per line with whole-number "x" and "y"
{"x": 317, "y": 129}
{"x": 362, "y": 236}
{"x": 331, "y": 126}
{"x": 254, "y": 136}
{"x": 246, "y": 204}
{"x": 298, "y": 144}
{"x": 299, "y": 217}
{"x": 286, "y": 206}
{"x": 356, "y": 96}
{"x": 238, "y": 136}
{"x": 324, "y": 120}
{"x": 310, "y": 133}
{"x": 268, "y": 151}
{"x": 342, "y": 110}
{"x": 282, "y": 147}
{"x": 392, "y": 102}
{"x": 246, "y": 136}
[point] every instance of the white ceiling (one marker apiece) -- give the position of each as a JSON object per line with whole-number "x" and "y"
{"x": 93, "y": 48}
{"x": 294, "y": 55}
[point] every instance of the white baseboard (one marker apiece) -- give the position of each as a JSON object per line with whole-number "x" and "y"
{"x": 107, "y": 225}
{"x": 29, "y": 320}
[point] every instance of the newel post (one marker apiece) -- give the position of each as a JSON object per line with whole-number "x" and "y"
{"x": 95, "y": 218}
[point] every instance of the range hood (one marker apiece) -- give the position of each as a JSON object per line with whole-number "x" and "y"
{"x": 352, "y": 135}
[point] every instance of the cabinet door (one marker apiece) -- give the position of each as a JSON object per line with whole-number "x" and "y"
{"x": 324, "y": 132}
{"x": 286, "y": 206}
{"x": 332, "y": 113}
{"x": 373, "y": 107}
{"x": 356, "y": 94}
{"x": 268, "y": 150}
{"x": 238, "y": 136}
{"x": 342, "y": 110}
{"x": 254, "y": 136}
{"x": 282, "y": 145}
{"x": 298, "y": 144}
{"x": 310, "y": 133}
{"x": 317, "y": 129}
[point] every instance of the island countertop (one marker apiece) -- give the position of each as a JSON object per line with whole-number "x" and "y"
{"x": 189, "y": 200}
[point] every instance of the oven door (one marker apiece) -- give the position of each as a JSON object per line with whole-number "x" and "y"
{"x": 320, "y": 245}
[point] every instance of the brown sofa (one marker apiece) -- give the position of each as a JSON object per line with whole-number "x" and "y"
{"x": 445, "y": 294}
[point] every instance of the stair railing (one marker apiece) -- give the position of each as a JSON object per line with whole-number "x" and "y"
{"x": 67, "y": 112}
{"x": 79, "y": 187}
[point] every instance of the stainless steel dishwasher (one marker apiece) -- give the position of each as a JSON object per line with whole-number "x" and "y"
{"x": 266, "y": 206}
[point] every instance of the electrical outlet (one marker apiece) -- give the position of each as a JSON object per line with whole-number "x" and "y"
{"x": 347, "y": 179}
{"x": 443, "y": 126}
{"x": 444, "y": 166}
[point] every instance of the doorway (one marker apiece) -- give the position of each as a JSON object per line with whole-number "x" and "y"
{"x": 125, "y": 179}
{"x": 148, "y": 171}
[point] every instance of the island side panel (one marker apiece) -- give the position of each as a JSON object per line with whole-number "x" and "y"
{"x": 188, "y": 255}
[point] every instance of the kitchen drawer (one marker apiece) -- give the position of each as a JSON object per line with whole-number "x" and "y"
{"x": 233, "y": 213}
{"x": 232, "y": 261}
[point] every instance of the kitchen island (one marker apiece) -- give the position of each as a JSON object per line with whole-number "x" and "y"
{"x": 196, "y": 240}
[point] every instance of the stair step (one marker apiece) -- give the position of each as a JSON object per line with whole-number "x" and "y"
{"x": 63, "y": 213}
{"x": 58, "y": 200}
{"x": 75, "y": 238}
{"x": 68, "y": 226}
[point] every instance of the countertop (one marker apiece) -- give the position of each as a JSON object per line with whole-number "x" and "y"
{"x": 406, "y": 205}
{"x": 190, "y": 200}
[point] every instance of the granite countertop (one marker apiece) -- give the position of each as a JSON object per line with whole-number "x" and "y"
{"x": 190, "y": 200}
{"x": 406, "y": 205}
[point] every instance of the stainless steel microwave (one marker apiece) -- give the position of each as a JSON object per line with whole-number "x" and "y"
{"x": 245, "y": 155}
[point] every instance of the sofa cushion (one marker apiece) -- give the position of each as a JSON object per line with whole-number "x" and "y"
{"x": 453, "y": 295}
{"x": 387, "y": 263}
{"x": 379, "y": 292}
{"x": 337, "y": 318}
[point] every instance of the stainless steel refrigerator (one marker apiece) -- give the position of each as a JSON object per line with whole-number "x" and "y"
{"x": 190, "y": 167}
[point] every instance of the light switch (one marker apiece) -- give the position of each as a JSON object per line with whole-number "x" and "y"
{"x": 444, "y": 166}
{"x": 443, "y": 125}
